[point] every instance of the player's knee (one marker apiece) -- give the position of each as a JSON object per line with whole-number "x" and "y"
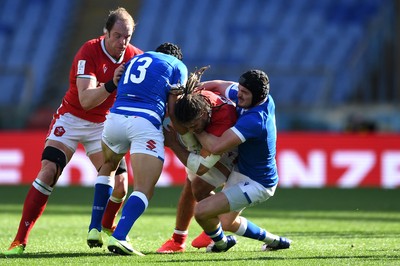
{"x": 56, "y": 156}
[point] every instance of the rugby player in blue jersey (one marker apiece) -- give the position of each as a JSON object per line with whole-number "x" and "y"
{"x": 135, "y": 125}
{"x": 255, "y": 177}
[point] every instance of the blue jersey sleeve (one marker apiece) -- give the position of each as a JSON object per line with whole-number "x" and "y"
{"x": 231, "y": 92}
{"x": 257, "y": 130}
{"x": 180, "y": 74}
{"x": 249, "y": 126}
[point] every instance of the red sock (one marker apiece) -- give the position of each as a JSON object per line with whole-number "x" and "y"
{"x": 34, "y": 205}
{"x": 110, "y": 214}
{"x": 178, "y": 238}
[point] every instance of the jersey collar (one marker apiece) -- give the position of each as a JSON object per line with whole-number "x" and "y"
{"x": 103, "y": 47}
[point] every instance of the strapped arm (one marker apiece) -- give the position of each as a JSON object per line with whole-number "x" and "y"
{"x": 194, "y": 161}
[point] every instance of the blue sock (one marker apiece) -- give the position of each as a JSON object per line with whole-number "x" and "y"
{"x": 218, "y": 237}
{"x": 254, "y": 231}
{"x": 134, "y": 207}
{"x": 102, "y": 193}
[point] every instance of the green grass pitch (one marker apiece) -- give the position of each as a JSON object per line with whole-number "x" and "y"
{"x": 328, "y": 227}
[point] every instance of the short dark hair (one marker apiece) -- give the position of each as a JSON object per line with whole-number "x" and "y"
{"x": 171, "y": 49}
{"x": 257, "y": 82}
{"x": 118, "y": 14}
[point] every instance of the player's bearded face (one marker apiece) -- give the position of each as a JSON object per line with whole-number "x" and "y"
{"x": 245, "y": 97}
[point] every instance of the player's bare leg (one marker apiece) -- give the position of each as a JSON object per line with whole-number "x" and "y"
{"x": 201, "y": 190}
{"x": 146, "y": 171}
{"x": 241, "y": 226}
{"x": 184, "y": 214}
{"x": 206, "y": 214}
{"x": 219, "y": 220}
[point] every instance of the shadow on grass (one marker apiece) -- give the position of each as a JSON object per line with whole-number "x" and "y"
{"x": 56, "y": 255}
{"x": 202, "y": 258}
{"x": 247, "y": 260}
{"x": 345, "y": 235}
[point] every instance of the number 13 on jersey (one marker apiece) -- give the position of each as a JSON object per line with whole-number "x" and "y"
{"x": 142, "y": 64}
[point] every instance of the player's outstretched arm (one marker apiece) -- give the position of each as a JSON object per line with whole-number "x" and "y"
{"x": 215, "y": 85}
{"x": 218, "y": 145}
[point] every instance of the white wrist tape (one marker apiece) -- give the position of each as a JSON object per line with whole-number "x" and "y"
{"x": 190, "y": 142}
{"x": 210, "y": 160}
{"x": 194, "y": 161}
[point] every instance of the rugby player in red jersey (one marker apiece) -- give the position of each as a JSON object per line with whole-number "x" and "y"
{"x": 94, "y": 75}
{"x": 202, "y": 178}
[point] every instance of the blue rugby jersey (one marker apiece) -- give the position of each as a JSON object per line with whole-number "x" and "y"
{"x": 256, "y": 128}
{"x": 143, "y": 88}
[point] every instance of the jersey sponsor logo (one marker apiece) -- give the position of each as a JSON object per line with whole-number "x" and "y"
{"x": 104, "y": 68}
{"x": 59, "y": 131}
{"x": 151, "y": 145}
{"x": 81, "y": 67}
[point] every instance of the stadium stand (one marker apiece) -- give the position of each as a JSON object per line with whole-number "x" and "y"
{"x": 318, "y": 54}
{"x": 32, "y": 31}
{"x": 288, "y": 39}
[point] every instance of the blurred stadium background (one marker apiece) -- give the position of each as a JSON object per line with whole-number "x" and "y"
{"x": 332, "y": 63}
{"x": 333, "y": 67}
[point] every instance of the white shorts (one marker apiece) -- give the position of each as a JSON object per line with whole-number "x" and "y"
{"x": 134, "y": 133}
{"x": 243, "y": 192}
{"x": 71, "y": 130}
{"x": 214, "y": 176}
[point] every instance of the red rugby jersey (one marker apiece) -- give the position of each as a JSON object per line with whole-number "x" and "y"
{"x": 93, "y": 60}
{"x": 223, "y": 114}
